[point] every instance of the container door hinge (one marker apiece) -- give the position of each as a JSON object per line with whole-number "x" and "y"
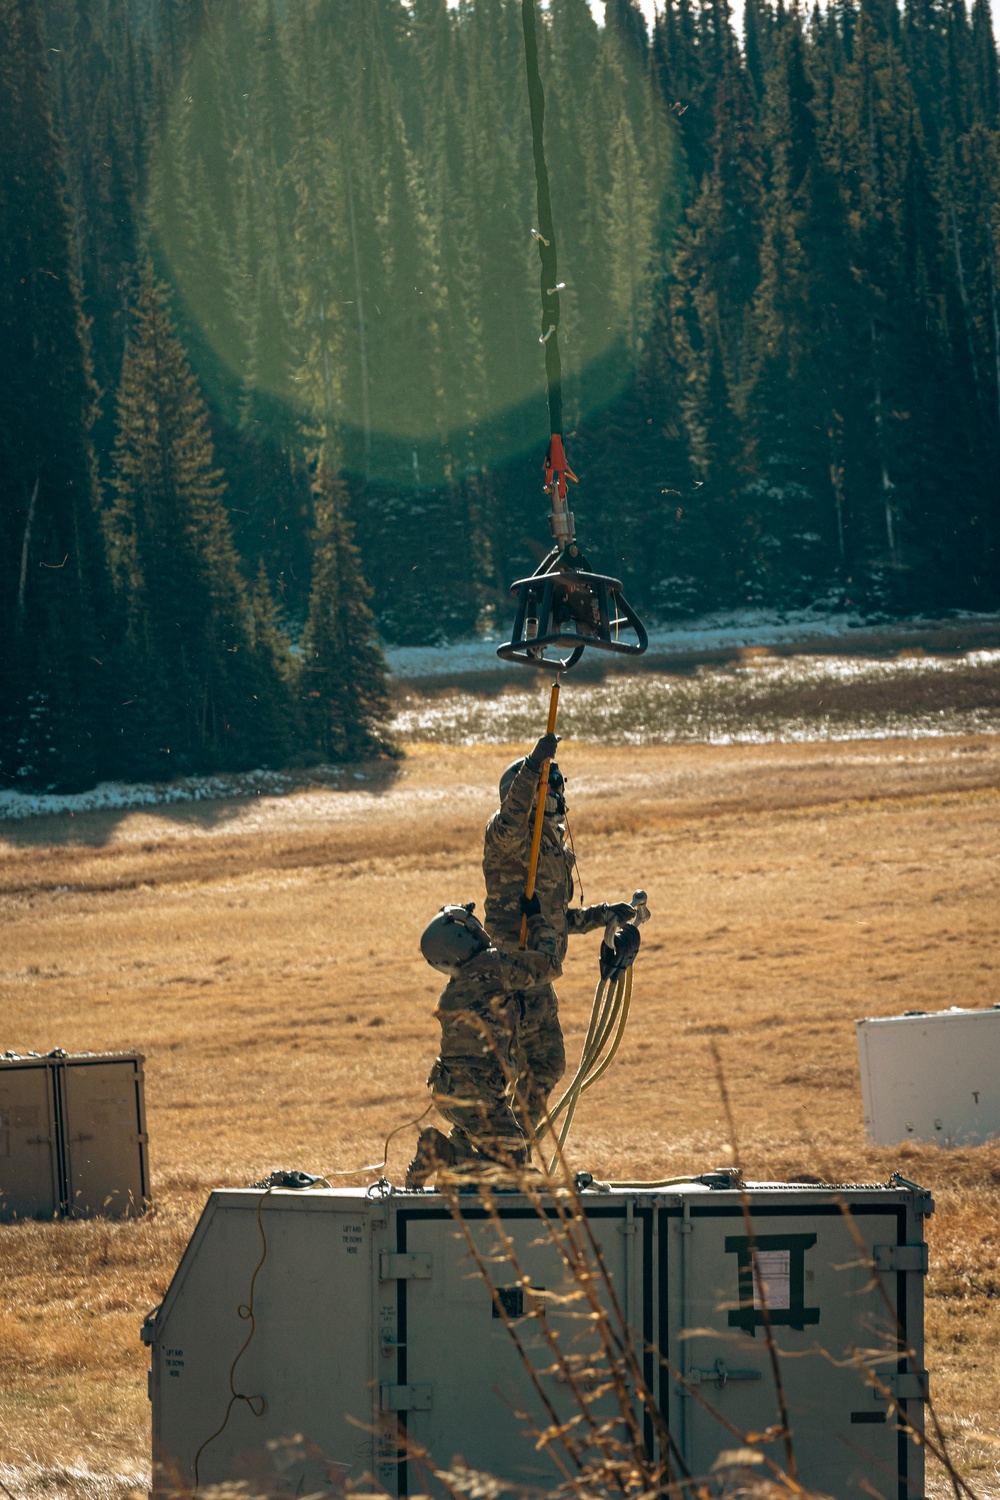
{"x": 414, "y": 1265}
{"x": 148, "y": 1331}
{"x": 405, "y": 1397}
{"x": 149, "y": 1384}
{"x": 901, "y": 1257}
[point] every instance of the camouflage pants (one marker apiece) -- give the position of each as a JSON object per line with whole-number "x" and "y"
{"x": 472, "y": 1095}
{"x": 543, "y": 1052}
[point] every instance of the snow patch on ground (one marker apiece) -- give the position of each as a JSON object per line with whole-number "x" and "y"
{"x": 124, "y": 795}
{"x": 707, "y": 633}
{"x": 725, "y": 630}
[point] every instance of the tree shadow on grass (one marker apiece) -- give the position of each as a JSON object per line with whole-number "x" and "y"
{"x": 205, "y": 803}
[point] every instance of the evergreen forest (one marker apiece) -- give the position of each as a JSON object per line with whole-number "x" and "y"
{"x": 272, "y": 386}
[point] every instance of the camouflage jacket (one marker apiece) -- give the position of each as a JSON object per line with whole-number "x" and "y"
{"x": 477, "y": 1009}
{"x": 505, "y": 866}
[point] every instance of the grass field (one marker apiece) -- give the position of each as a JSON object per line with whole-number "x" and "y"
{"x": 263, "y": 955}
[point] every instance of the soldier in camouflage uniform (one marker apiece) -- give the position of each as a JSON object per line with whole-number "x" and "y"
{"x": 480, "y": 1060}
{"x": 505, "y": 865}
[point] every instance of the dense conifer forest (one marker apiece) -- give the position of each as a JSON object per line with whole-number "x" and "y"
{"x": 272, "y": 388}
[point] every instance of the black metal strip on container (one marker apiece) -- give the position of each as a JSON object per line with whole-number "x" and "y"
{"x": 403, "y": 1468}
{"x": 57, "y": 1076}
{"x": 646, "y": 1215}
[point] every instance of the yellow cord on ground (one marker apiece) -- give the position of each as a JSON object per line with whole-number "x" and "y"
{"x": 245, "y": 1310}
{"x": 664, "y": 1182}
{"x": 376, "y": 1166}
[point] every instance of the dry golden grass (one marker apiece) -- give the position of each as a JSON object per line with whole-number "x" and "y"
{"x": 264, "y": 958}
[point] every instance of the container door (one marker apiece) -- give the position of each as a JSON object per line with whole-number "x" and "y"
{"x": 828, "y": 1313}
{"x": 29, "y": 1173}
{"x": 468, "y": 1391}
{"x": 273, "y": 1300}
{"x": 105, "y": 1138}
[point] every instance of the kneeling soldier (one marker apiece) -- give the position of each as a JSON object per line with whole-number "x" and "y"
{"x": 476, "y": 1074}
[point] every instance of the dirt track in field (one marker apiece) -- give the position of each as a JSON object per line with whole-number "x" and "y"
{"x": 263, "y": 955}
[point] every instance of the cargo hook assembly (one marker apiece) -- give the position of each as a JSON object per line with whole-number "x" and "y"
{"x": 563, "y": 606}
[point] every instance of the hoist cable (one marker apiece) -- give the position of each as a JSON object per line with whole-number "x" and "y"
{"x": 545, "y": 235}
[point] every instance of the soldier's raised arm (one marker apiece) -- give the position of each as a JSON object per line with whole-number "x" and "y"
{"x": 511, "y": 825}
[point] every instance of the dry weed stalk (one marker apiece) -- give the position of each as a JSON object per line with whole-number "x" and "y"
{"x": 900, "y": 1347}
{"x": 612, "y": 1455}
{"x": 772, "y": 1348}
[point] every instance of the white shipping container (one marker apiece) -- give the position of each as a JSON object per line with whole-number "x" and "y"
{"x": 931, "y": 1076}
{"x": 360, "y": 1326}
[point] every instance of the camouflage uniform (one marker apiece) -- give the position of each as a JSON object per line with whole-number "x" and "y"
{"x": 480, "y": 1060}
{"x": 505, "y": 866}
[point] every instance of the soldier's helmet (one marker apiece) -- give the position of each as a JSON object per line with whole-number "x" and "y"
{"x": 453, "y": 937}
{"x": 556, "y": 783}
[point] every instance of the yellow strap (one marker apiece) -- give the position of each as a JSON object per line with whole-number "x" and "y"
{"x": 536, "y": 832}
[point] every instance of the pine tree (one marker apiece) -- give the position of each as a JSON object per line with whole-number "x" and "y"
{"x": 794, "y": 382}
{"x": 341, "y": 684}
{"x": 686, "y": 81}
{"x": 715, "y": 273}
{"x": 101, "y": 119}
{"x": 192, "y": 217}
{"x": 56, "y": 618}
{"x": 986, "y": 73}
{"x": 205, "y": 691}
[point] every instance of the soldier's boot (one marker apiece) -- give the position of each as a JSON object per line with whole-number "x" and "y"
{"x": 504, "y": 1169}
{"x": 434, "y": 1150}
{"x": 521, "y": 1163}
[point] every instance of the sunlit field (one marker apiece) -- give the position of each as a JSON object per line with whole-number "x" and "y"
{"x": 262, "y": 954}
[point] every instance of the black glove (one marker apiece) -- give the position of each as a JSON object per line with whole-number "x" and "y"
{"x": 543, "y": 751}
{"x": 614, "y": 961}
{"x": 530, "y": 907}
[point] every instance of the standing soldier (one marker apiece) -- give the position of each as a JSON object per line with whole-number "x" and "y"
{"x": 505, "y": 865}
{"x": 480, "y": 1060}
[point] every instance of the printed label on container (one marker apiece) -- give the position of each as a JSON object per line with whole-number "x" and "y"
{"x": 772, "y": 1279}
